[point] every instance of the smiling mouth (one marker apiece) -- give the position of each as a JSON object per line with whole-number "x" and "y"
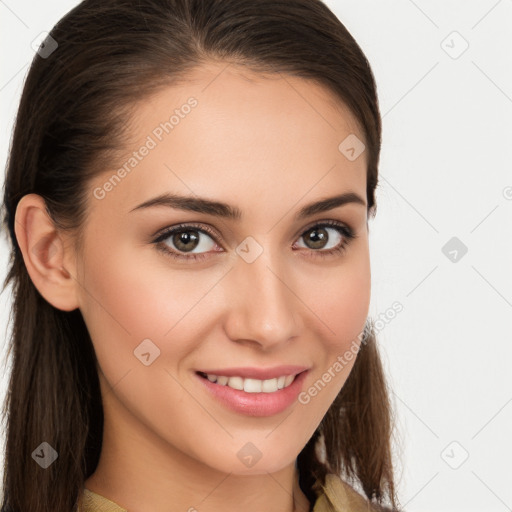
{"x": 251, "y": 385}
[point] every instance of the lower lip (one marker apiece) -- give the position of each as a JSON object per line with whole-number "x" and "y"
{"x": 256, "y": 404}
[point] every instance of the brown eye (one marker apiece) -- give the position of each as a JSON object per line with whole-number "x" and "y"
{"x": 327, "y": 238}
{"x": 182, "y": 242}
{"x": 185, "y": 240}
{"x": 319, "y": 236}
{"x": 189, "y": 239}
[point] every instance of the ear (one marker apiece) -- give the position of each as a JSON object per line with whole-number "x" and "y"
{"x": 45, "y": 253}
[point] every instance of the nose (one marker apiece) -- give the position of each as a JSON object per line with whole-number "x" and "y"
{"x": 263, "y": 309}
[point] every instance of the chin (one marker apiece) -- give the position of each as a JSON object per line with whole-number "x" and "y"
{"x": 262, "y": 466}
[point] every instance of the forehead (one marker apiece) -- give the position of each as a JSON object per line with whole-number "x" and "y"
{"x": 228, "y": 132}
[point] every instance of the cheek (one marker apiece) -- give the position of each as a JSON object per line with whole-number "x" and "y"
{"x": 128, "y": 298}
{"x": 340, "y": 303}
{"x": 123, "y": 309}
{"x": 124, "y": 301}
{"x": 341, "y": 300}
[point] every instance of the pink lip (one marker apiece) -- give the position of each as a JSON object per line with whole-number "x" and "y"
{"x": 256, "y": 404}
{"x": 257, "y": 373}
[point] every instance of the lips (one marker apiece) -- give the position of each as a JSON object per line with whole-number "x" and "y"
{"x": 255, "y": 402}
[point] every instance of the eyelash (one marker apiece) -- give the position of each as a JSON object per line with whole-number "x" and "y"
{"x": 347, "y": 233}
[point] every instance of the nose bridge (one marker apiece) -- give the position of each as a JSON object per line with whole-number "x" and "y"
{"x": 264, "y": 308}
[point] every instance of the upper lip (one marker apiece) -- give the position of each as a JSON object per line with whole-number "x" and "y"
{"x": 252, "y": 372}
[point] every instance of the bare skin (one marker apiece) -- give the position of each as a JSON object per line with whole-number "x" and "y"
{"x": 267, "y": 145}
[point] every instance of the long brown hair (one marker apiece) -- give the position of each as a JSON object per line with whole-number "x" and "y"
{"x": 100, "y": 60}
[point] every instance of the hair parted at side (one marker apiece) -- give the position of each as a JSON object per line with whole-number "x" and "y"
{"x": 70, "y": 125}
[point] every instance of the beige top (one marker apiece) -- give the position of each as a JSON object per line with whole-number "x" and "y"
{"x": 337, "y": 496}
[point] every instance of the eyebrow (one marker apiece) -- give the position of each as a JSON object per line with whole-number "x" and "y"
{"x": 223, "y": 210}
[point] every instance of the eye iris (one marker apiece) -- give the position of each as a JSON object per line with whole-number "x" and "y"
{"x": 185, "y": 240}
{"x": 319, "y": 237}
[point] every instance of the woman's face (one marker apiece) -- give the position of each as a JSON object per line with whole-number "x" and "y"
{"x": 266, "y": 290}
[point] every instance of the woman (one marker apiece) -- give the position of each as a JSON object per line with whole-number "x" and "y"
{"x": 240, "y": 372}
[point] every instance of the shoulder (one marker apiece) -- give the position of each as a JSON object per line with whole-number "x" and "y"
{"x": 93, "y": 502}
{"x": 336, "y": 495}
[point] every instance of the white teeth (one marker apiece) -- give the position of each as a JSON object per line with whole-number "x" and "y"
{"x": 269, "y": 386}
{"x": 252, "y": 385}
{"x": 222, "y": 380}
{"x": 236, "y": 383}
{"x": 288, "y": 380}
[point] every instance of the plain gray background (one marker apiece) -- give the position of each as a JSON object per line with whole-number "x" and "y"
{"x": 444, "y": 79}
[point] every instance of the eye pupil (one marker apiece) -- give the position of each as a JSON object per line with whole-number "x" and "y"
{"x": 187, "y": 239}
{"x": 318, "y": 236}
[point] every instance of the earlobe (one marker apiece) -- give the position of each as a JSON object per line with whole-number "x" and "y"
{"x": 44, "y": 253}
